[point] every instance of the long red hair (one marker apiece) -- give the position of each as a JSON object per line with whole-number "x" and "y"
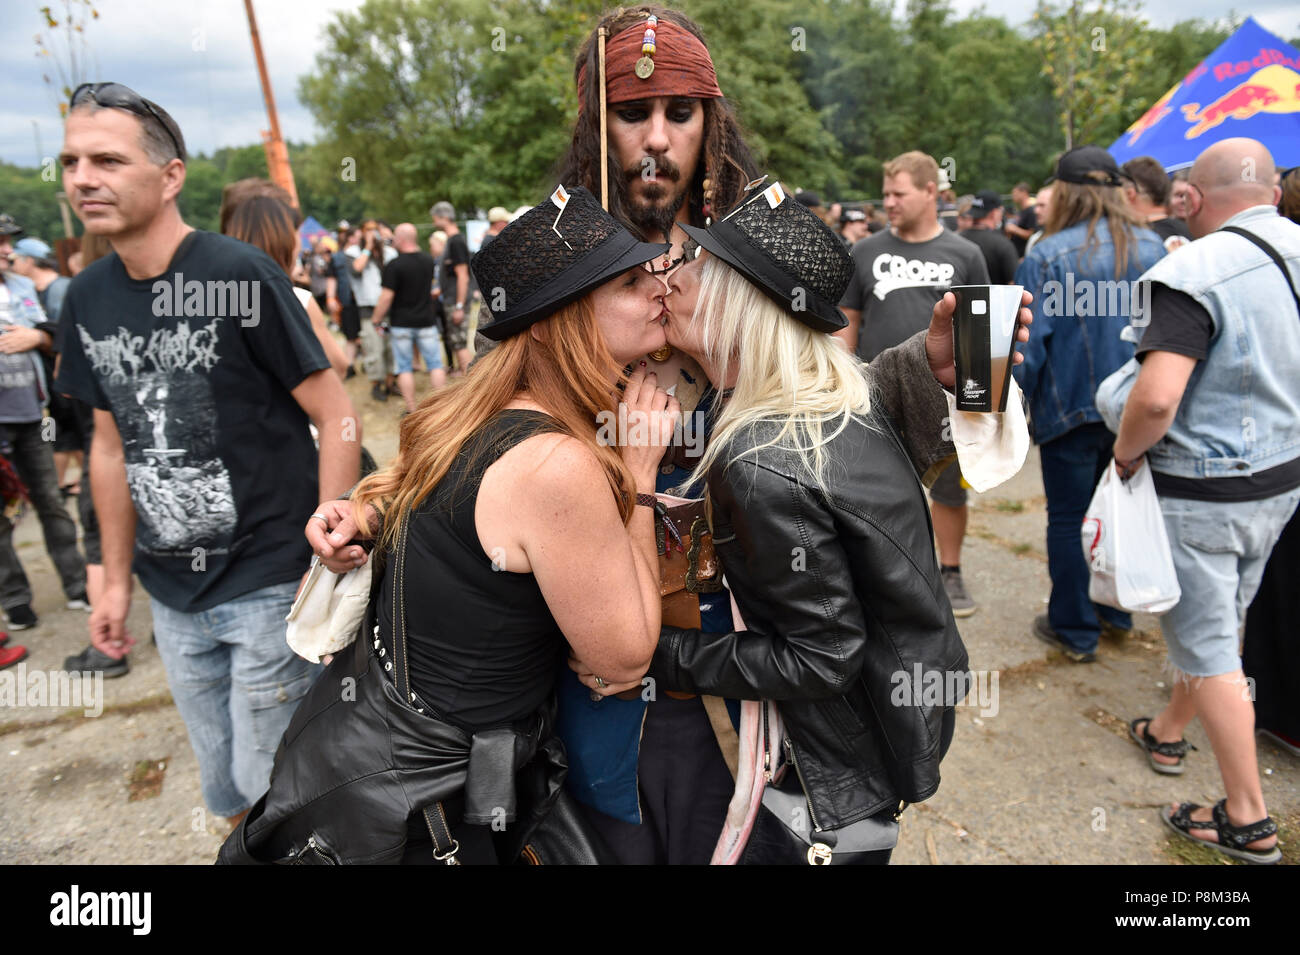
{"x": 564, "y": 367}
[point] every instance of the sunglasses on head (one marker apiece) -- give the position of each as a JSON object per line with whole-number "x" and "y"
{"x": 117, "y": 96}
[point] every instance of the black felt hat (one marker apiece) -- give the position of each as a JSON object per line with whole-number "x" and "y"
{"x": 788, "y": 252}
{"x": 553, "y": 255}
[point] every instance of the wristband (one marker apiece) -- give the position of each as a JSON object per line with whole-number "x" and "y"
{"x": 1127, "y": 469}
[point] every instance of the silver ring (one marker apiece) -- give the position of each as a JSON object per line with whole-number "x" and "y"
{"x": 322, "y": 518}
{"x": 600, "y": 683}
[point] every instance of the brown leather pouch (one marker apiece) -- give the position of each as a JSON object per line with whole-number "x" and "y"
{"x": 688, "y": 567}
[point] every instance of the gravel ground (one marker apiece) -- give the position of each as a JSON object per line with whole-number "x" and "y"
{"x": 1044, "y": 772}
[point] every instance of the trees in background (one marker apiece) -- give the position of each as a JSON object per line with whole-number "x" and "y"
{"x": 473, "y": 101}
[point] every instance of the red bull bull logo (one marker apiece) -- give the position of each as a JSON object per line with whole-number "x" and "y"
{"x": 1274, "y": 89}
{"x": 1154, "y": 115}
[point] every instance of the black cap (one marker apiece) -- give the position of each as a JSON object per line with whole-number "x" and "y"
{"x": 852, "y": 215}
{"x": 808, "y": 198}
{"x": 985, "y": 201}
{"x": 550, "y": 256}
{"x": 8, "y": 226}
{"x": 1076, "y": 165}
{"x": 791, "y": 255}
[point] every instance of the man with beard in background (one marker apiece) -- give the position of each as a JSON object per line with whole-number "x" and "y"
{"x": 652, "y": 777}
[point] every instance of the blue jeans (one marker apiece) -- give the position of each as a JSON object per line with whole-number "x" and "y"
{"x": 236, "y": 684}
{"x": 404, "y": 342}
{"x": 1072, "y": 466}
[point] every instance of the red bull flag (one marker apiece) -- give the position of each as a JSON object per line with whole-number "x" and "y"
{"x": 1249, "y": 86}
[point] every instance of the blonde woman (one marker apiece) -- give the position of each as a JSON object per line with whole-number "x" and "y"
{"x": 821, "y": 526}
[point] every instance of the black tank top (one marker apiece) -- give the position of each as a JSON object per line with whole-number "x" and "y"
{"x": 483, "y": 645}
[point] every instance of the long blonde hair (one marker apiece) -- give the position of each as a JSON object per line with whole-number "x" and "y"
{"x": 785, "y": 372}
{"x": 565, "y": 368}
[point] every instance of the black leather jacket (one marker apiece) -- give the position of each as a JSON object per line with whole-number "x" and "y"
{"x": 842, "y": 600}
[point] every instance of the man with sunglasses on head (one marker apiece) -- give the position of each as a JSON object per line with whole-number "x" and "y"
{"x": 204, "y": 373}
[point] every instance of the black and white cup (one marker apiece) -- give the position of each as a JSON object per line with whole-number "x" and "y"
{"x": 984, "y": 343}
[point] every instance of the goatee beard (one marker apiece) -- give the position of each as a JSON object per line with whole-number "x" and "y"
{"x": 655, "y": 220}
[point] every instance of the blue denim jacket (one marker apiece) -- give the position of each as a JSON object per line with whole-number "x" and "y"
{"x": 25, "y": 310}
{"x": 1080, "y": 307}
{"x": 1240, "y": 412}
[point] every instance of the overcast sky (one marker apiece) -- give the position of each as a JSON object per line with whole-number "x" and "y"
{"x": 194, "y": 57}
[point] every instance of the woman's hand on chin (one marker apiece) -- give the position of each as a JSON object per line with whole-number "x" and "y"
{"x": 652, "y": 417}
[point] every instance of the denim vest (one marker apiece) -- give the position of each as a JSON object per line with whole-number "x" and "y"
{"x": 1080, "y": 307}
{"x": 1240, "y": 413}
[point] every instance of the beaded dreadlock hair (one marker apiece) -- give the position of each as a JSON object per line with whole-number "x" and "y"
{"x": 726, "y": 157}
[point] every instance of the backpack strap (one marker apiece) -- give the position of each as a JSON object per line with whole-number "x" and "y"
{"x": 1272, "y": 253}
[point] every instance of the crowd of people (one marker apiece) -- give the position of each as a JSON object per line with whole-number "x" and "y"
{"x": 552, "y": 704}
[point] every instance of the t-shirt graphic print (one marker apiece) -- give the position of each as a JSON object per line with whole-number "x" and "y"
{"x": 197, "y": 367}
{"x": 164, "y": 412}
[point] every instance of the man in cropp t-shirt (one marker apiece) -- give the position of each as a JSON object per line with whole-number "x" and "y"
{"x": 901, "y": 273}
{"x": 407, "y": 300}
{"x": 204, "y": 374}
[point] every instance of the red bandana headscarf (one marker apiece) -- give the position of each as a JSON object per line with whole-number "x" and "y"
{"x": 682, "y": 66}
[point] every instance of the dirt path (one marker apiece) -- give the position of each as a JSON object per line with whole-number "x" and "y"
{"x": 1043, "y": 772}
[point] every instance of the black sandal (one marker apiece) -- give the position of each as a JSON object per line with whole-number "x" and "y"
{"x": 1232, "y": 839}
{"x": 1153, "y": 745}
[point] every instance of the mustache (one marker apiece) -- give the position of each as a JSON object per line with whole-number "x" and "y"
{"x": 663, "y": 169}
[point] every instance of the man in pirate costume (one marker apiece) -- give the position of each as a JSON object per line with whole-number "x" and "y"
{"x": 649, "y": 770}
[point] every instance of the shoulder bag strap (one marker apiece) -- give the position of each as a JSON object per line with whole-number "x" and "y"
{"x": 445, "y": 846}
{"x": 1272, "y": 253}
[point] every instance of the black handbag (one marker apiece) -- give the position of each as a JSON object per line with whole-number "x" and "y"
{"x": 361, "y": 756}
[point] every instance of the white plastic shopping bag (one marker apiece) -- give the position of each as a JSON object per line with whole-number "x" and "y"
{"x": 1124, "y": 543}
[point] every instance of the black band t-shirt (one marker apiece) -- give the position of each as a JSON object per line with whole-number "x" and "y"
{"x": 410, "y": 278}
{"x": 196, "y": 366}
{"x": 896, "y": 284}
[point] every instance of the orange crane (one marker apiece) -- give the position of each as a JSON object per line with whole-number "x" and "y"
{"x": 277, "y": 154}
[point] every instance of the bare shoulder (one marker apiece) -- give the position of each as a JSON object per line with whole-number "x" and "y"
{"x": 553, "y": 466}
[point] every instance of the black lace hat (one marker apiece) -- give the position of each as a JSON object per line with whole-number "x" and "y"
{"x": 788, "y": 252}
{"x": 550, "y": 256}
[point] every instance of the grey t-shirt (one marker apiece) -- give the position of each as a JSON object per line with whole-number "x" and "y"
{"x": 897, "y": 283}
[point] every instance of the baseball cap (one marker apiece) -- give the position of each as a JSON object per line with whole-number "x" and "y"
{"x": 852, "y": 215}
{"x": 8, "y": 226}
{"x": 1075, "y": 166}
{"x": 985, "y": 201}
{"x": 34, "y": 248}
{"x": 498, "y": 214}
